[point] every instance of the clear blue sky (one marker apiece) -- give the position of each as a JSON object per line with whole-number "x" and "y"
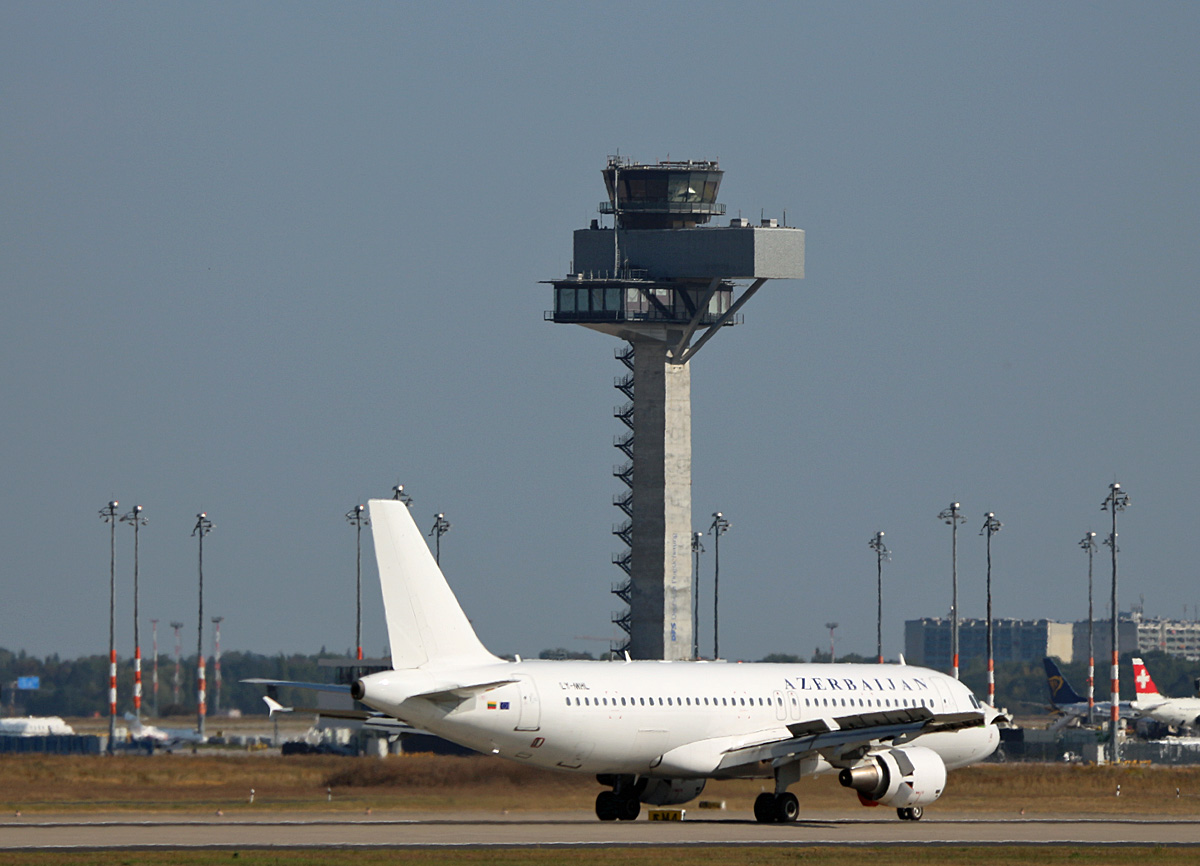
{"x": 266, "y": 260}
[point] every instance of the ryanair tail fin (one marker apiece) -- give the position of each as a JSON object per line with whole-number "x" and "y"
{"x": 424, "y": 620}
{"x": 1060, "y": 690}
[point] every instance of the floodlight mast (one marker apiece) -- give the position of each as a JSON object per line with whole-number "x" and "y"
{"x": 358, "y": 519}
{"x": 109, "y": 515}
{"x": 1088, "y": 543}
{"x": 881, "y": 553}
{"x": 440, "y": 527}
{"x": 990, "y": 527}
{"x": 1117, "y": 500}
{"x": 831, "y": 626}
{"x": 697, "y": 549}
{"x": 202, "y": 528}
{"x": 718, "y": 528}
{"x": 135, "y": 518}
{"x": 953, "y": 517}
{"x": 663, "y": 282}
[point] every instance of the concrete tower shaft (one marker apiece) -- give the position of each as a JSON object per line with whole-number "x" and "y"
{"x": 660, "y": 604}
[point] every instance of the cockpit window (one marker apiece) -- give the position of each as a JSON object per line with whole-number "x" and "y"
{"x": 975, "y": 702}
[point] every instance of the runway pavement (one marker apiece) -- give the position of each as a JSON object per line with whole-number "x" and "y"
{"x": 430, "y": 830}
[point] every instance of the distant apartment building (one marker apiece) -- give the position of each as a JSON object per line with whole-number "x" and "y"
{"x": 927, "y": 640}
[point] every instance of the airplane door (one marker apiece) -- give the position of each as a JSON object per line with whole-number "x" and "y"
{"x": 530, "y": 718}
{"x": 794, "y": 704}
{"x": 780, "y": 709}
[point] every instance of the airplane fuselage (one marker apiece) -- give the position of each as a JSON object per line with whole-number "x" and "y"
{"x": 668, "y": 719}
{"x": 1171, "y": 711}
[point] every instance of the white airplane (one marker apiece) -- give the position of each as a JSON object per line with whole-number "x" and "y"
{"x": 1177, "y": 712}
{"x": 654, "y": 732}
{"x": 34, "y": 726}
{"x": 168, "y": 736}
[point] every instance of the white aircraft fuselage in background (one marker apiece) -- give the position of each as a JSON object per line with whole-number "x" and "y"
{"x": 1176, "y": 712}
{"x": 656, "y": 731}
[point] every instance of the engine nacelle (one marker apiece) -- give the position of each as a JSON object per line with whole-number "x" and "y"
{"x": 905, "y": 777}
{"x": 671, "y": 792}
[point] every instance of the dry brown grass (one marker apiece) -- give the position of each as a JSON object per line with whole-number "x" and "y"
{"x": 426, "y": 782}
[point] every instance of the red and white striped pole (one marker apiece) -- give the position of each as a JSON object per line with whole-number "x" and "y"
{"x": 1117, "y": 500}
{"x": 990, "y": 527}
{"x": 135, "y": 518}
{"x": 952, "y": 517}
{"x": 217, "y": 662}
{"x": 154, "y": 675}
{"x": 201, "y": 696}
{"x": 178, "y": 660}
{"x": 202, "y": 528}
{"x": 109, "y": 515}
{"x": 137, "y": 681}
{"x": 112, "y": 687}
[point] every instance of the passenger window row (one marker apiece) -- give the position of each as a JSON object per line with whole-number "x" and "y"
{"x": 866, "y": 703}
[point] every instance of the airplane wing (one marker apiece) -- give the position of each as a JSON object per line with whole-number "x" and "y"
{"x": 836, "y": 736}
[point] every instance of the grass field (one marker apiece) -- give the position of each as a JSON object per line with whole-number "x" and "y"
{"x": 51, "y": 783}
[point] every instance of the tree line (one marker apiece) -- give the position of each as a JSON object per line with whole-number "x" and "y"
{"x": 79, "y": 687}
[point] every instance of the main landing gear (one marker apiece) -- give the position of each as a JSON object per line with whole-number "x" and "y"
{"x": 776, "y": 808}
{"x": 911, "y": 813}
{"x": 621, "y": 803}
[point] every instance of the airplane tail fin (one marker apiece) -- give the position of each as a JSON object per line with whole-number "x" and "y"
{"x": 424, "y": 620}
{"x": 1143, "y": 684}
{"x": 1060, "y": 690}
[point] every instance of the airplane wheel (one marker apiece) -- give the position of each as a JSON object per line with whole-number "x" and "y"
{"x": 911, "y": 813}
{"x": 628, "y": 808}
{"x": 607, "y": 806}
{"x": 764, "y": 808}
{"x": 787, "y": 807}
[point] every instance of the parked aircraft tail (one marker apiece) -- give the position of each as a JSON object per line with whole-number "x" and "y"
{"x": 1061, "y": 692}
{"x": 424, "y": 620}
{"x": 1142, "y": 682}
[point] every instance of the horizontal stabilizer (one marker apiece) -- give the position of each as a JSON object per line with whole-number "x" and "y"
{"x": 337, "y": 688}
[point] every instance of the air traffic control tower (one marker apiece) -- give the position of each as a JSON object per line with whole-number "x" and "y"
{"x": 664, "y": 282}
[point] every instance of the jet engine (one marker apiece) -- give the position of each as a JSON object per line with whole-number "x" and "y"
{"x": 671, "y": 792}
{"x": 902, "y": 778}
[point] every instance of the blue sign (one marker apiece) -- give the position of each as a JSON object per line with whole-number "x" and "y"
{"x": 29, "y": 683}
